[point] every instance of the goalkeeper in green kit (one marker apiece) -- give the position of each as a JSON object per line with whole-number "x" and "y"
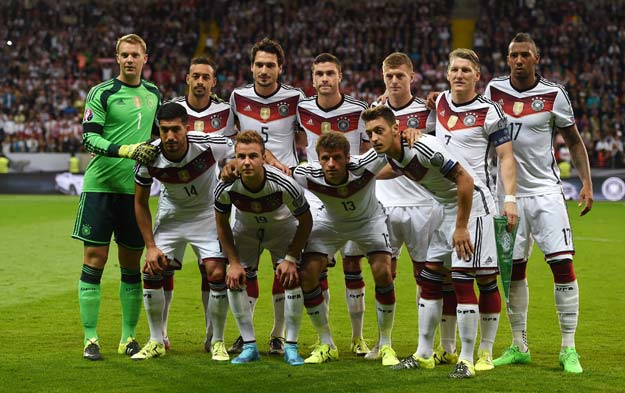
{"x": 118, "y": 120}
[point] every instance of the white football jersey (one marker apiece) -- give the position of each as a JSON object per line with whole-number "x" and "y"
{"x": 271, "y": 116}
{"x": 533, "y": 116}
{"x": 428, "y": 162}
{"x": 471, "y": 130}
{"x": 215, "y": 118}
{"x": 351, "y": 201}
{"x": 187, "y": 186}
{"x": 343, "y": 118}
{"x": 280, "y": 199}
{"x": 402, "y": 191}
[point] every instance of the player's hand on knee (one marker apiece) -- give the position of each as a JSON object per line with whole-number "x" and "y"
{"x": 235, "y": 277}
{"x": 287, "y": 274}
{"x": 155, "y": 261}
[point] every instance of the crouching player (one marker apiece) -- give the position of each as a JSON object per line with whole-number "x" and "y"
{"x": 467, "y": 209}
{"x": 346, "y": 186}
{"x": 185, "y": 166}
{"x": 272, "y": 213}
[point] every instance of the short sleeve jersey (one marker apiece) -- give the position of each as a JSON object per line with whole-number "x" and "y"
{"x": 472, "y": 130}
{"x": 428, "y": 162}
{"x": 271, "y": 116}
{"x": 215, "y": 118}
{"x": 280, "y": 199}
{"x": 188, "y": 185}
{"x": 351, "y": 201}
{"x": 401, "y": 191}
{"x": 123, "y": 114}
{"x": 533, "y": 116}
{"x": 343, "y": 118}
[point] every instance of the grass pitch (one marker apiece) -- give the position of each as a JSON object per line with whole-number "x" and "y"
{"x": 41, "y": 335}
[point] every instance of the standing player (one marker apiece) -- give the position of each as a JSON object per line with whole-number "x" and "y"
{"x": 329, "y": 111}
{"x": 272, "y": 214}
{"x": 186, "y": 167}
{"x": 206, "y": 113}
{"x": 346, "y": 186}
{"x": 407, "y": 204}
{"x": 268, "y": 107}
{"x": 467, "y": 213}
{"x": 536, "y": 108}
{"x": 471, "y": 126}
{"x": 119, "y": 116}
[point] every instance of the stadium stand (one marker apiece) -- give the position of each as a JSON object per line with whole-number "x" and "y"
{"x": 46, "y": 74}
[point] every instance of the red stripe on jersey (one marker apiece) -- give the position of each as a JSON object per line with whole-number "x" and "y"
{"x": 456, "y": 121}
{"x": 319, "y": 125}
{"x": 209, "y": 123}
{"x": 264, "y": 204}
{"x": 265, "y": 113}
{"x": 523, "y": 106}
{"x": 414, "y": 170}
{"x": 344, "y": 191}
{"x": 412, "y": 120}
{"x": 187, "y": 173}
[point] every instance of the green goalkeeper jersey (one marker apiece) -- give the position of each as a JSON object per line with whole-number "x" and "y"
{"x": 116, "y": 114}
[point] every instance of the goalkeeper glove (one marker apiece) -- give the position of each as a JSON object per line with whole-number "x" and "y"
{"x": 143, "y": 153}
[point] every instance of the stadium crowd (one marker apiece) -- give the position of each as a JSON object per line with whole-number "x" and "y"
{"x": 46, "y": 75}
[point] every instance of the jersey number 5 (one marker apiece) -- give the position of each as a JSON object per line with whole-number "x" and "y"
{"x": 263, "y": 131}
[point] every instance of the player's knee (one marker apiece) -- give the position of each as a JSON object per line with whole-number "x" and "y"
{"x": 463, "y": 286}
{"x": 431, "y": 283}
{"x": 563, "y": 271}
{"x": 96, "y": 256}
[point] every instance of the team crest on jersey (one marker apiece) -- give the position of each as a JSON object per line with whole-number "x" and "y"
{"x": 517, "y": 108}
{"x": 326, "y": 127}
{"x": 150, "y": 101}
{"x": 343, "y": 191}
{"x": 183, "y": 175}
{"x": 283, "y": 109}
{"x": 343, "y": 124}
{"x": 216, "y": 123}
{"x": 265, "y": 112}
{"x": 451, "y": 122}
{"x": 256, "y": 207}
{"x": 199, "y": 165}
{"x": 137, "y": 102}
{"x": 437, "y": 160}
{"x": 469, "y": 120}
{"x": 538, "y": 104}
{"x": 198, "y": 125}
{"x": 88, "y": 115}
{"x": 412, "y": 122}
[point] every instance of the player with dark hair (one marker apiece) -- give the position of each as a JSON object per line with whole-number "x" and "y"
{"x": 536, "y": 109}
{"x": 268, "y": 106}
{"x": 186, "y": 166}
{"x": 118, "y": 120}
{"x": 209, "y": 114}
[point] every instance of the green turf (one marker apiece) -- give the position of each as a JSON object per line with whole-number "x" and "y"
{"x": 41, "y": 337}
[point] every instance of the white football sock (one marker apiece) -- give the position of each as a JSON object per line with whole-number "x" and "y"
{"x": 489, "y": 322}
{"x": 448, "y": 333}
{"x": 217, "y": 311}
{"x": 240, "y": 306}
{"x": 278, "y": 315}
{"x": 318, "y": 318}
{"x": 154, "y": 303}
{"x": 517, "y": 313}
{"x": 430, "y": 312}
{"x": 293, "y": 307}
{"x": 169, "y": 296}
{"x": 356, "y": 307}
{"x": 468, "y": 318}
{"x": 567, "y": 306}
{"x": 386, "y": 317}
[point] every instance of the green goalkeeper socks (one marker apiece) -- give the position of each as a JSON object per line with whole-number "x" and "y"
{"x": 89, "y": 300}
{"x": 131, "y": 298}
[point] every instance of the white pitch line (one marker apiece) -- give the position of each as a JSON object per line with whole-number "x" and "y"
{"x": 598, "y": 239}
